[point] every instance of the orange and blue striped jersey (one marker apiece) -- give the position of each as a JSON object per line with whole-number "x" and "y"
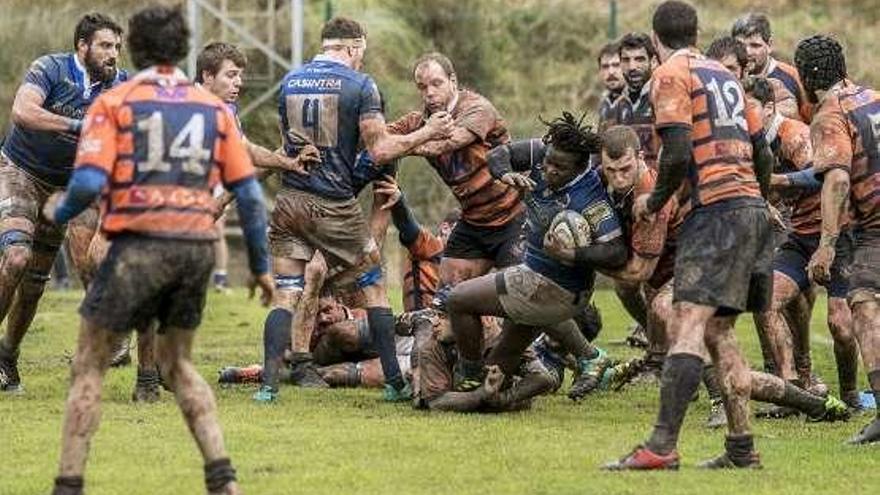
{"x": 693, "y": 91}
{"x": 846, "y": 135}
{"x": 164, "y": 144}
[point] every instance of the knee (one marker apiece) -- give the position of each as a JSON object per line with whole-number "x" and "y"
{"x": 17, "y": 257}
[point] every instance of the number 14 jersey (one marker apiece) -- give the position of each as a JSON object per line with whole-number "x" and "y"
{"x": 692, "y": 91}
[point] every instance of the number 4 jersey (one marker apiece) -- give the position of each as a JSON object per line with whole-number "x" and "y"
{"x": 322, "y": 103}
{"x": 163, "y": 144}
{"x": 693, "y": 91}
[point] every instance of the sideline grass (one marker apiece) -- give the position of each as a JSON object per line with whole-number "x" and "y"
{"x": 347, "y": 441}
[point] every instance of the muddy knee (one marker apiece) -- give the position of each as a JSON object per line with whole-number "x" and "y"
{"x": 16, "y": 247}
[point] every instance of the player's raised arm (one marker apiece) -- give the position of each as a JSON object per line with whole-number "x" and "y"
{"x": 385, "y": 147}
{"x": 511, "y": 163}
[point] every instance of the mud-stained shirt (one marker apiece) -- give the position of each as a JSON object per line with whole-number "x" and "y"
{"x": 484, "y": 200}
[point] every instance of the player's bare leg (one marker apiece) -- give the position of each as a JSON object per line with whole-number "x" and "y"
{"x": 471, "y": 300}
{"x": 199, "y": 408}
{"x": 146, "y": 387}
{"x": 220, "y": 277}
{"x": 774, "y": 325}
{"x": 303, "y": 372}
{"x": 31, "y": 284}
{"x": 798, "y": 315}
{"x": 83, "y": 410}
{"x": 846, "y": 349}
{"x": 866, "y": 323}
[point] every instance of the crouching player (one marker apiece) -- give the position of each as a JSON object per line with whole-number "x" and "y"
{"x": 157, "y": 145}
{"x": 554, "y": 283}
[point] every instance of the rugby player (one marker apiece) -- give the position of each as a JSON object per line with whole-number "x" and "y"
{"x": 488, "y": 233}
{"x": 790, "y": 141}
{"x": 554, "y": 282}
{"x": 753, "y": 30}
{"x": 328, "y": 103}
{"x": 611, "y": 78}
{"x": 159, "y": 217}
{"x": 724, "y": 249}
{"x": 36, "y": 161}
{"x": 845, "y": 137}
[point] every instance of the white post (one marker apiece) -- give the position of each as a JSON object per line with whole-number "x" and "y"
{"x": 296, "y": 32}
{"x": 195, "y": 36}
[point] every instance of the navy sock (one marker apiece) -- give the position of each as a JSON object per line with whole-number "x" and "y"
{"x": 276, "y": 340}
{"x": 681, "y": 378}
{"x": 381, "y": 321}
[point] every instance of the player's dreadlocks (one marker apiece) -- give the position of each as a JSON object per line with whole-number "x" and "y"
{"x": 570, "y": 134}
{"x": 820, "y": 62}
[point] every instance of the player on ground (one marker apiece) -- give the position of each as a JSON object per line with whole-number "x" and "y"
{"x": 845, "y": 136}
{"x": 36, "y": 161}
{"x": 790, "y": 141}
{"x": 330, "y": 104}
{"x": 753, "y": 30}
{"x": 554, "y": 282}
{"x": 722, "y": 264}
{"x": 156, "y": 145}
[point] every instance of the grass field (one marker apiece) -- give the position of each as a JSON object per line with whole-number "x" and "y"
{"x": 347, "y": 441}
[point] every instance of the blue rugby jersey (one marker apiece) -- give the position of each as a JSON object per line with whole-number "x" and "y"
{"x": 586, "y": 195}
{"x": 47, "y": 155}
{"x": 323, "y": 103}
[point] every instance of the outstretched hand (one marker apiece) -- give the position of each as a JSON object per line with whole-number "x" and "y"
{"x": 388, "y": 187}
{"x": 267, "y": 288}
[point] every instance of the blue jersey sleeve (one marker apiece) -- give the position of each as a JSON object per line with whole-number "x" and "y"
{"x": 600, "y": 214}
{"x": 370, "y": 99}
{"x": 43, "y": 73}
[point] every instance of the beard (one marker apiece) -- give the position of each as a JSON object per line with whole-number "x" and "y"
{"x": 100, "y": 71}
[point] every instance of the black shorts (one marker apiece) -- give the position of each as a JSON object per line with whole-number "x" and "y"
{"x": 864, "y": 279}
{"x": 144, "y": 278}
{"x": 503, "y": 245}
{"x": 793, "y": 256}
{"x": 724, "y": 257}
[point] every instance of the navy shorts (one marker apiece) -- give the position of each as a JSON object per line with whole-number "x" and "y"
{"x": 503, "y": 244}
{"x": 793, "y": 256}
{"x": 724, "y": 257}
{"x": 144, "y": 278}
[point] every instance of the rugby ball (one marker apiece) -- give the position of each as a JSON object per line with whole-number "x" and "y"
{"x": 571, "y": 228}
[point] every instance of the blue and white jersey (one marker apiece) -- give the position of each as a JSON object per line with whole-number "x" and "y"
{"x": 323, "y": 103}
{"x": 586, "y": 195}
{"x": 68, "y": 91}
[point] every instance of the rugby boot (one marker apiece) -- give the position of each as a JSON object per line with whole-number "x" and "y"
{"x": 623, "y": 373}
{"x": 869, "y": 434}
{"x": 121, "y": 354}
{"x": 265, "y": 395}
{"x": 835, "y": 410}
{"x": 394, "y": 394}
{"x": 643, "y": 459}
{"x": 853, "y": 401}
{"x": 717, "y": 415}
{"x": 303, "y": 371}
{"x": 146, "y": 389}
{"x": 637, "y": 337}
{"x": 234, "y": 374}
{"x": 9, "y": 379}
{"x": 817, "y": 386}
{"x": 467, "y": 375}
{"x": 590, "y": 374}
{"x": 739, "y": 453}
{"x": 68, "y": 485}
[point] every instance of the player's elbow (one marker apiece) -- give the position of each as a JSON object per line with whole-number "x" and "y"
{"x": 837, "y": 181}
{"x": 382, "y": 153}
{"x": 19, "y": 114}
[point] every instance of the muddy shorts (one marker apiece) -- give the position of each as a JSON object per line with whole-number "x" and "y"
{"x": 529, "y": 298}
{"x": 864, "y": 280}
{"x": 436, "y": 361}
{"x": 724, "y": 258}
{"x": 303, "y": 222}
{"x": 503, "y": 244}
{"x": 21, "y": 207}
{"x": 143, "y": 278}
{"x": 793, "y": 256}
